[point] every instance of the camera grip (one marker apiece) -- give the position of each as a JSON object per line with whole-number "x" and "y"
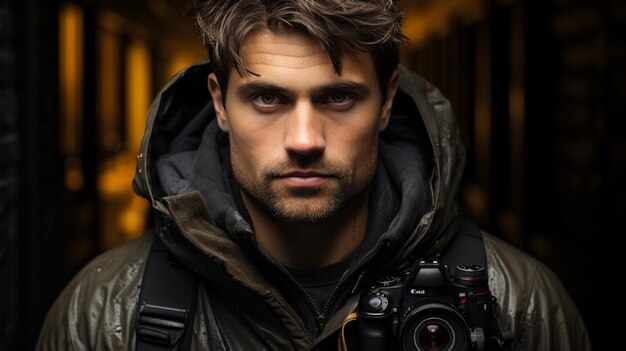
{"x": 372, "y": 335}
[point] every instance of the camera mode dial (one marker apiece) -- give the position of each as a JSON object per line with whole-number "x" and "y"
{"x": 387, "y": 281}
{"x": 470, "y": 275}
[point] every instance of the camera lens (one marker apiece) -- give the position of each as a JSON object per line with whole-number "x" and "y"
{"x": 433, "y": 327}
{"x": 433, "y": 334}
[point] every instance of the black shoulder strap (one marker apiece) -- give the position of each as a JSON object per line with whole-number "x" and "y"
{"x": 166, "y": 302}
{"x": 467, "y": 246}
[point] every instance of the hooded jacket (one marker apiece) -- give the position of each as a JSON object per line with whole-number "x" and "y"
{"x": 247, "y": 301}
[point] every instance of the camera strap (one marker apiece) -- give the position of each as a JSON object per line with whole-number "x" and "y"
{"x": 467, "y": 245}
{"x": 166, "y": 302}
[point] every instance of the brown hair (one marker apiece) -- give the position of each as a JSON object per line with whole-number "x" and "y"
{"x": 372, "y": 26}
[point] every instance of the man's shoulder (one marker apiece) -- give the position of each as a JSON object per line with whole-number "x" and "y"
{"x": 128, "y": 256}
{"x": 516, "y": 264}
{"x": 515, "y": 269}
{"x": 534, "y": 304}
{"x": 101, "y": 297}
{"x": 119, "y": 266}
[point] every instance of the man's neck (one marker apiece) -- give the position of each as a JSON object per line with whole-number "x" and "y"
{"x": 311, "y": 245}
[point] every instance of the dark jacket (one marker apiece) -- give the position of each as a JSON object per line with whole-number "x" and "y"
{"x": 248, "y": 302}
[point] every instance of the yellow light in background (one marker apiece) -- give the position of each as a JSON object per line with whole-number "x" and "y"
{"x": 138, "y": 84}
{"x": 125, "y": 46}
{"x": 139, "y": 95}
{"x": 425, "y": 21}
{"x": 116, "y": 170}
{"x": 108, "y": 91}
{"x": 71, "y": 92}
{"x": 74, "y": 179}
{"x": 70, "y": 76}
{"x": 182, "y": 60}
{"x": 122, "y": 211}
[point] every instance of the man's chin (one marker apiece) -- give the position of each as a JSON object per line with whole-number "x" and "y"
{"x": 301, "y": 218}
{"x": 305, "y": 211}
{"x": 306, "y": 193}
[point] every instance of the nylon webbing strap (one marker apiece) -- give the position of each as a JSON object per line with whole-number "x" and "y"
{"x": 467, "y": 246}
{"x": 166, "y": 302}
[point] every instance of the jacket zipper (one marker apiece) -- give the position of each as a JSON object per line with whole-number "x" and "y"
{"x": 321, "y": 317}
{"x": 315, "y": 326}
{"x": 330, "y": 302}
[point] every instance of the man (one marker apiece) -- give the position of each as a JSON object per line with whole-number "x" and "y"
{"x": 317, "y": 166}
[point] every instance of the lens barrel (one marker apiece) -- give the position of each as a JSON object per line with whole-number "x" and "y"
{"x": 433, "y": 327}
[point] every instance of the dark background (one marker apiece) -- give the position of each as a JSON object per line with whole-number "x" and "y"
{"x": 539, "y": 88}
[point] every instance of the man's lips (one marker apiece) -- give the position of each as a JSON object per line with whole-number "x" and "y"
{"x": 304, "y": 179}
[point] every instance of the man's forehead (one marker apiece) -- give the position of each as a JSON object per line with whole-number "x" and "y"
{"x": 295, "y": 42}
{"x": 289, "y": 48}
{"x": 284, "y": 51}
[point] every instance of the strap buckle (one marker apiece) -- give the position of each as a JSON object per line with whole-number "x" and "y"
{"x": 163, "y": 325}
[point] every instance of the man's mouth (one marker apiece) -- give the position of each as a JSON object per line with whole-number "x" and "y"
{"x": 304, "y": 179}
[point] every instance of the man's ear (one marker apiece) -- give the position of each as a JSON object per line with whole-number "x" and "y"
{"x": 218, "y": 103}
{"x": 392, "y": 87}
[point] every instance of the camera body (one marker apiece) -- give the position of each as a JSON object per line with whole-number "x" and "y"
{"x": 426, "y": 309}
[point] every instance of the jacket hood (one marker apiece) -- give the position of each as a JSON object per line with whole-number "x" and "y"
{"x": 421, "y": 121}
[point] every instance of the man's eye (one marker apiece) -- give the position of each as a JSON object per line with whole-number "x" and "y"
{"x": 266, "y": 99}
{"x": 338, "y": 98}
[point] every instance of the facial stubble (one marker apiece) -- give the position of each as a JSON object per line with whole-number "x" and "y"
{"x": 306, "y": 205}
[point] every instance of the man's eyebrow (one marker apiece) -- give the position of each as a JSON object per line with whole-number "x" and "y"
{"x": 246, "y": 89}
{"x": 344, "y": 85}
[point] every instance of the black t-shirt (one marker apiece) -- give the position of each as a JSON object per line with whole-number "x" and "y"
{"x": 319, "y": 283}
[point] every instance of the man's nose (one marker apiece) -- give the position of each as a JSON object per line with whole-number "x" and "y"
{"x": 305, "y": 133}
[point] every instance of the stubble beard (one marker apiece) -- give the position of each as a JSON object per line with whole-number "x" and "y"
{"x": 309, "y": 205}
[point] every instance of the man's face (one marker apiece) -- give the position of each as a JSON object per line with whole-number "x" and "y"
{"x": 303, "y": 139}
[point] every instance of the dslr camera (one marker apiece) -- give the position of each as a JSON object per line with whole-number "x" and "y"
{"x": 426, "y": 309}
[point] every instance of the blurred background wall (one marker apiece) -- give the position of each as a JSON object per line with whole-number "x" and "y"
{"x": 538, "y": 88}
